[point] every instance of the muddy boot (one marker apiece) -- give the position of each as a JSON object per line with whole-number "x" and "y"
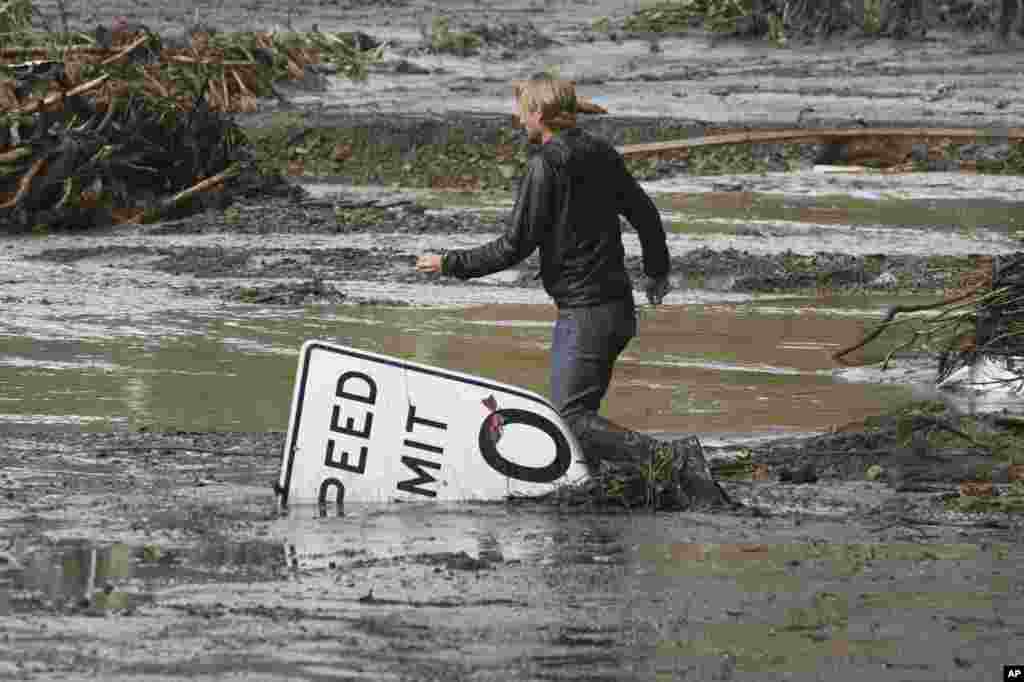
{"x": 673, "y": 474}
{"x": 606, "y": 443}
{"x": 692, "y": 476}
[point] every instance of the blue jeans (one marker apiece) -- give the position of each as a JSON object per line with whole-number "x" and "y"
{"x": 586, "y": 343}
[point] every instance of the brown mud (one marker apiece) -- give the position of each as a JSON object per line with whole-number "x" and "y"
{"x": 153, "y": 555}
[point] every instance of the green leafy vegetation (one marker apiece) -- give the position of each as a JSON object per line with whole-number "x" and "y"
{"x": 360, "y": 216}
{"x": 727, "y": 159}
{"x": 441, "y": 38}
{"x": 718, "y": 16}
{"x": 354, "y": 154}
{"x": 1013, "y": 164}
{"x": 668, "y": 17}
{"x": 872, "y": 16}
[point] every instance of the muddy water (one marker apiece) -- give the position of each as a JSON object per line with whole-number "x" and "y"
{"x": 708, "y": 368}
{"x": 497, "y": 593}
{"x": 201, "y": 591}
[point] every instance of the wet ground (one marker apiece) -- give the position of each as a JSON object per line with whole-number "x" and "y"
{"x": 146, "y": 375}
{"x": 160, "y": 557}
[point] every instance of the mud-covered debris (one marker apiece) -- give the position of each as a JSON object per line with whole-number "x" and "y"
{"x": 977, "y": 489}
{"x": 512, "y": 35}
{"x": 986, "y": 497}
{"x": 804, "y": 474}
{"x": 313, "y": 291}
{"x": 404, "y": 66}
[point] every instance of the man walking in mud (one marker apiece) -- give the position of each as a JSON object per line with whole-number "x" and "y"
{"x": 568, "y": 206}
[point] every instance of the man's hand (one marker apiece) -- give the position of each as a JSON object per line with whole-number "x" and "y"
{"x": 429, "y": 262}
{"x": 656, "y": 288}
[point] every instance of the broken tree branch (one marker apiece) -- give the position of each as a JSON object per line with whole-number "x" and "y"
{"x": 128, "y": 48}
{"x": 58, "y": 96}
{"x": 15, "y": 154}
{"x": 893, "y": 312}
{"x": 25, "y": 182}
{"x": 201, "y": 186}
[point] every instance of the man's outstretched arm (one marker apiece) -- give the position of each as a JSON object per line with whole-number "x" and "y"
{"x": 531, "y": 218}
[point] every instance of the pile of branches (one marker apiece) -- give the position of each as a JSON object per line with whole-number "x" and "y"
{"x": 114, "y": 126}
{"x": 239, "y": 67}
{"x": 985, "y": 319}
{"x": 87, "y": 164}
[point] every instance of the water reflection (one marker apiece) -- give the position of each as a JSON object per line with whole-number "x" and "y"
{"x": 616, "y": 595}
{"x": 702, "y": 369}
{"x": 119, "y": 576}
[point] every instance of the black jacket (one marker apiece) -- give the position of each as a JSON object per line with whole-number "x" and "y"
{"x": 569, "y": 204}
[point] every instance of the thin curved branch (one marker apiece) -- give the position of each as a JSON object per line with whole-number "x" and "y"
{"x": 25, "y": 183}
{"x": 893, "y": 312}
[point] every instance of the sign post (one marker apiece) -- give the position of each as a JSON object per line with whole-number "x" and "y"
{"x": 366, "y": 427}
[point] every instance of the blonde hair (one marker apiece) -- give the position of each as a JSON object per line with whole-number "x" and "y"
{"x": 555, "y": 99}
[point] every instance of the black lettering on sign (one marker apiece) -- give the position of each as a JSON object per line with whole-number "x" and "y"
{"x": 339, "y": 491}
{"x": 413, "y": 419}
{"x": 545, "y": 474}
{"x": 417, "y": 464}
{"x": 371, "y": 387}
{"x": 422, "y": 477}
{"x": 349, "y": 428}
{"x": 423, "y": 446}
{"x": 343, "y": 461}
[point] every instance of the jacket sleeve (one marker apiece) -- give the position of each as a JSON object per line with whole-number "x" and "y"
{"x": 635, "y": 204}
{"x": 531, "y": 220}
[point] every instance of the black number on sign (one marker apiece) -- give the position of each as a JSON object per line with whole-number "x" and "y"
{"x": 545, "y": 474}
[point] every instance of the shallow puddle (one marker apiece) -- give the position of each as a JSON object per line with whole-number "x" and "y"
{"x": 961, "y": 214}
{"x": 672, "y": 595}
{"x": 514, "y": 591}
{"x": 81, "y": 575}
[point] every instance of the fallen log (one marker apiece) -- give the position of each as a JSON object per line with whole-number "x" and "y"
{"x": 650, "y": 149}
